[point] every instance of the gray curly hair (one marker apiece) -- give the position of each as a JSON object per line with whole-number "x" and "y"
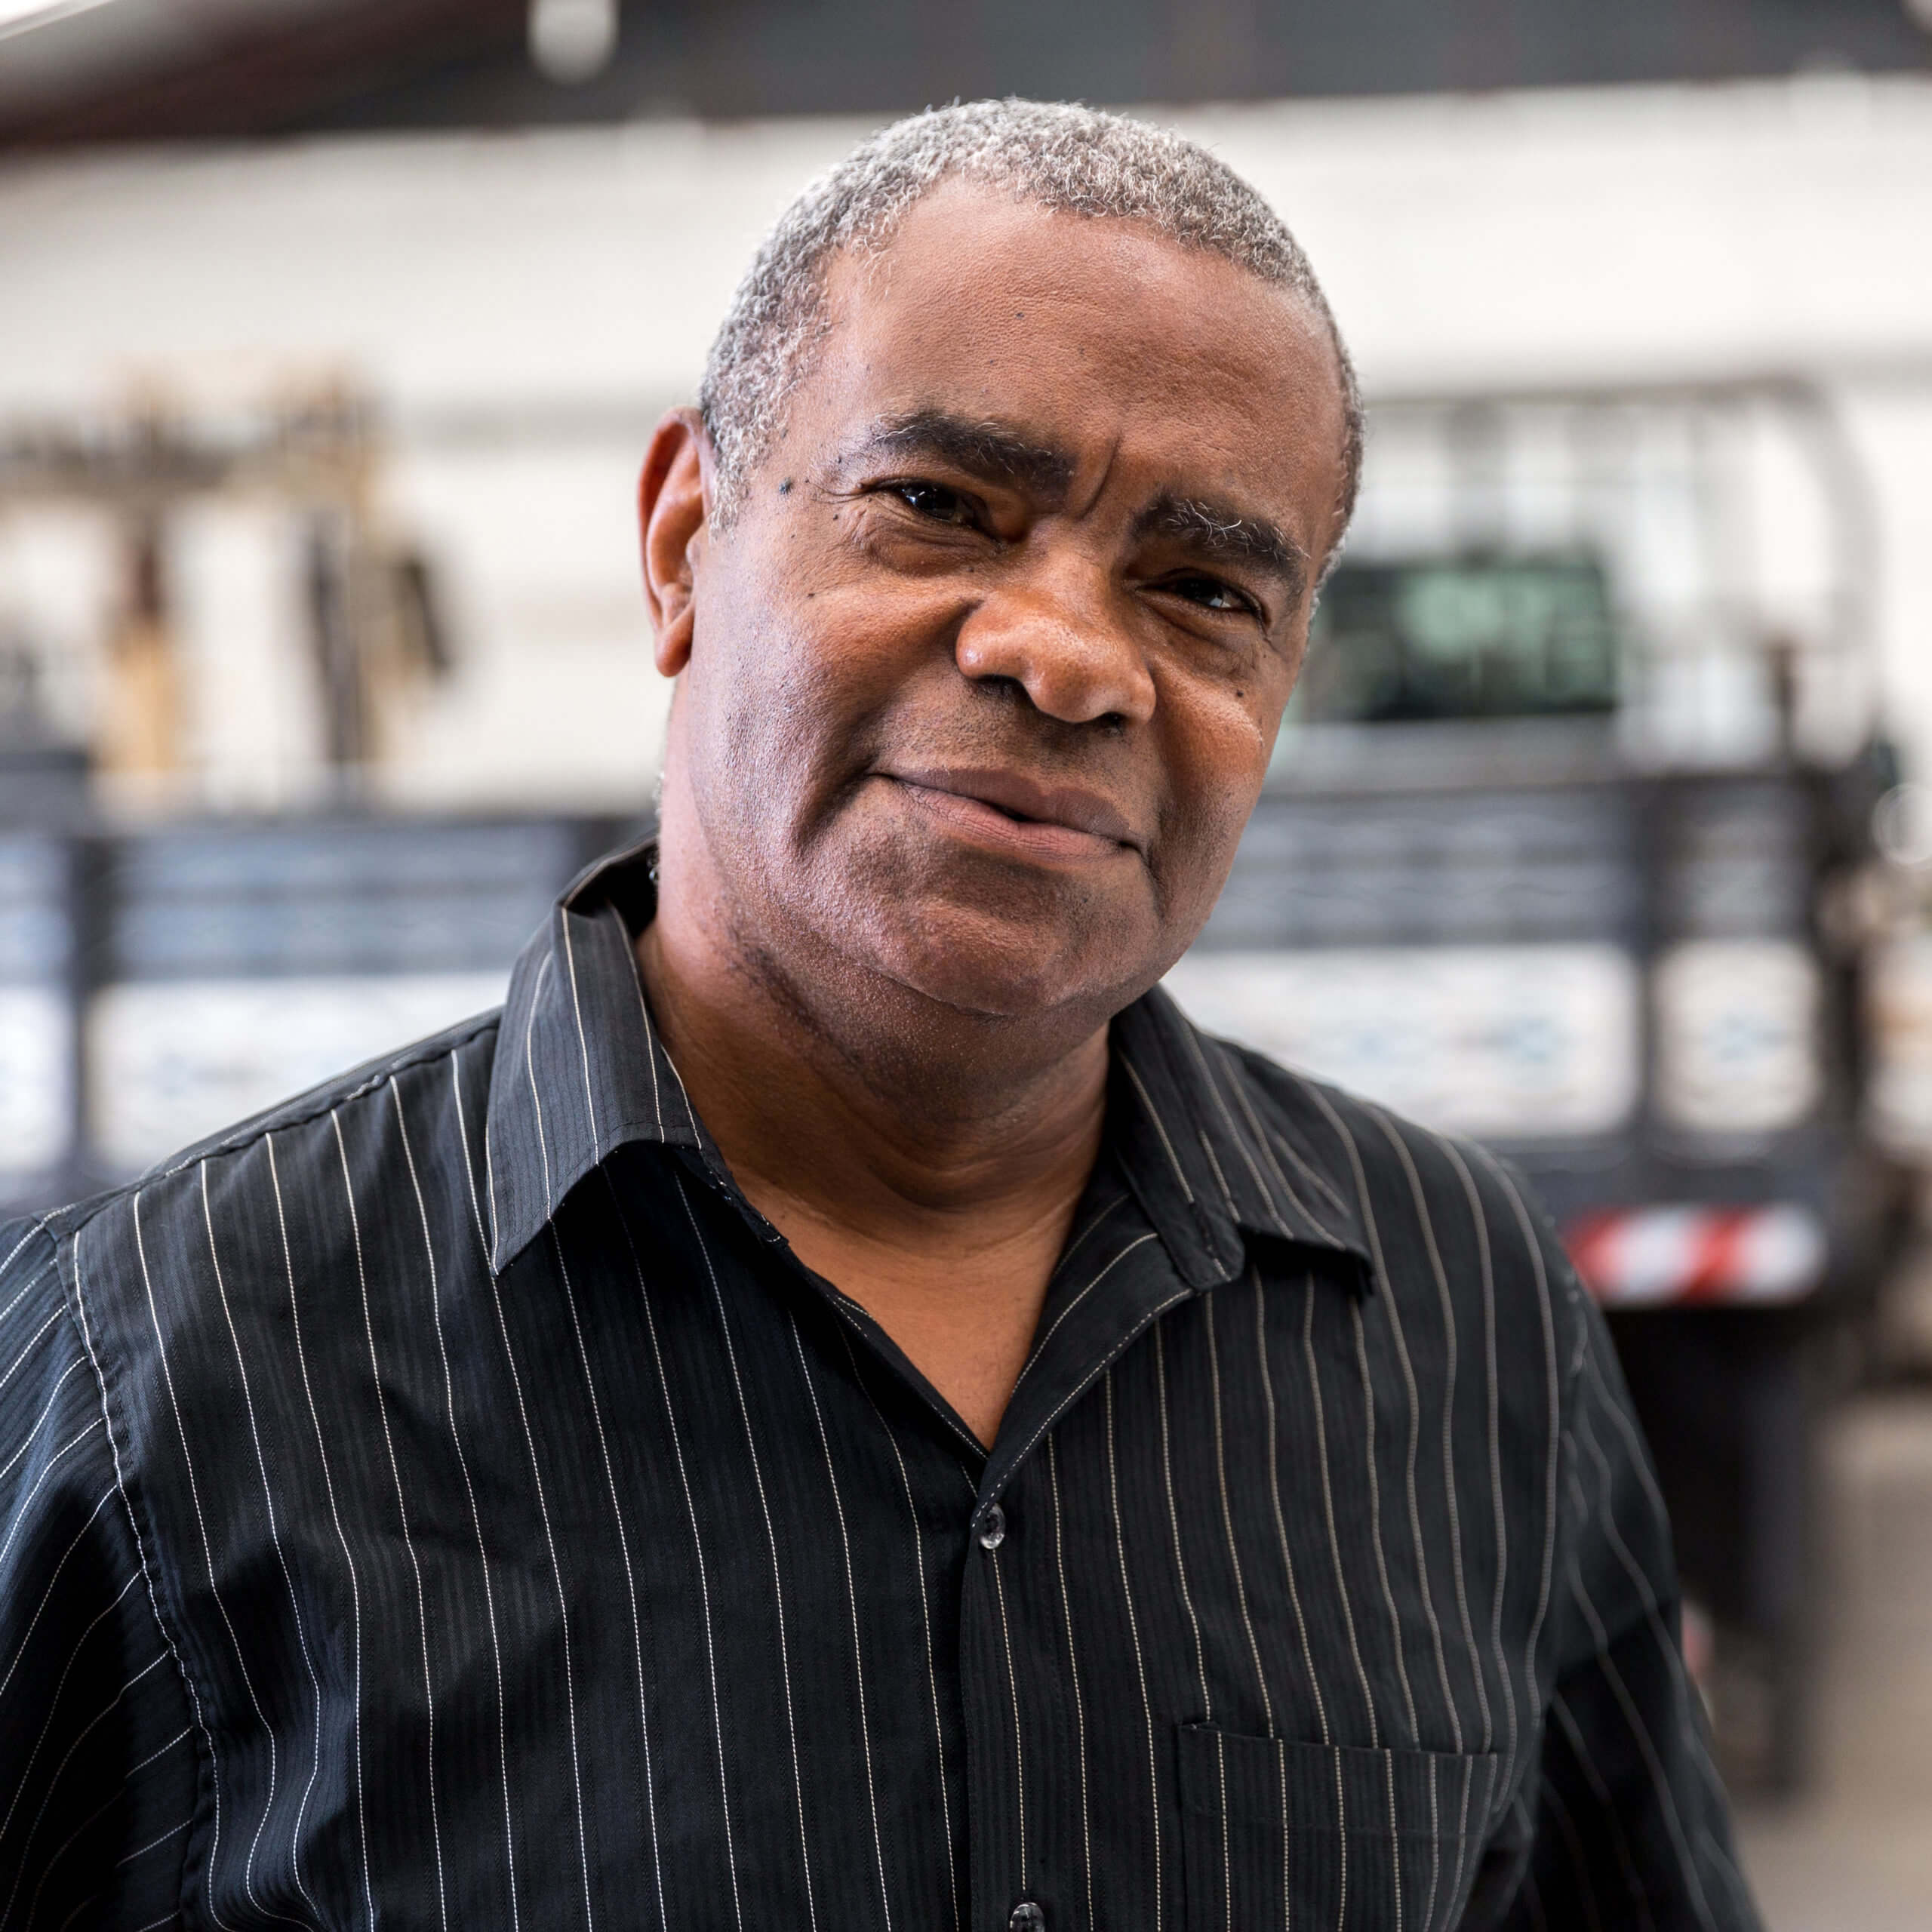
{"x": 1070, "y": 159}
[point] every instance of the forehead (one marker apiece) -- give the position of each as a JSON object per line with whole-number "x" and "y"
{"x": 1098, "y": 334}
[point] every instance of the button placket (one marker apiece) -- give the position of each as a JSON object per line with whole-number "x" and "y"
{"x": 992, "y": 1528}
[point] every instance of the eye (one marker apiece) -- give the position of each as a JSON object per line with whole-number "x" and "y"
{"x": 935, "y": 502}
{"x": 1211, "y": 594}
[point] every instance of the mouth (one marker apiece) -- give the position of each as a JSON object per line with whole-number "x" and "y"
{"x": 1016, "y": 815}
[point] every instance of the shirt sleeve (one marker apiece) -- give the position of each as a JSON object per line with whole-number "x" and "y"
{"x": 97, "y": 1753}
{"x": 1625, "y": 1821}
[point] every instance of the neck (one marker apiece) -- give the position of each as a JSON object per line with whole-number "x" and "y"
{"x": 927, "y": 1164}
{"x": 941, "y": 1131}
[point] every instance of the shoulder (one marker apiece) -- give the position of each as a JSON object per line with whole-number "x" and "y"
{"x": 1451, "y": 1228}
{"x": 151, "y": 1262}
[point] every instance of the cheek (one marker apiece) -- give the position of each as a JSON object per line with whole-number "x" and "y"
{"x": 1216, "y": 751}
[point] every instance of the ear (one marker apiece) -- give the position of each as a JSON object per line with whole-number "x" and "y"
{"x": 673, "y": 497}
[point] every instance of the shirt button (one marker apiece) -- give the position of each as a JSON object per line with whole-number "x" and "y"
{"x": 992, "y": 1534}
{"x": 1027, "y": 1917}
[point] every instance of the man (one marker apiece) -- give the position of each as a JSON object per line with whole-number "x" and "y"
{"x": 837, "y": 1406}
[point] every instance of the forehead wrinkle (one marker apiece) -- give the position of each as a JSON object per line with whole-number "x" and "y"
{"x": 980, "y": 446}
{"x": 1218, "y": 530}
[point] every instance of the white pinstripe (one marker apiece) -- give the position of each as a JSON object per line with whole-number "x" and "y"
{"x": 1560, "y": 1709}
{"x": 402, "y": 1514}
{"x": 152, "y": 1843}
{"x": 1287, "y": 1871}
{"x": 335, "y": 1514}
{"x": 1319, "y": 1182}
{"x": 1673, "y": 1657}
{"x": 1572, "y": 1842}
{"x": 543, "y": 1501}
{"x": 1133, "y": 1631}
{"x": 697, "y": 1540}
{"x": 1132, "y": 1073}
{"x": 624, "y": 1551}
{"x": 1073, "y": 1674}
{"x": 281, "y": 1558}
{"x": 1280, "y": 1520}
{"x": 1095, "y": 1222}
{"x": 67, "y": 1844}
{"x": 1228, "y": 1520}
{"x": 462, "y": 1460}
{"x": 207, "y": 1556}
{"x": 1012, "y": 1692}
{"x": 79, "y": 1738}
{"x": 21, "y": 1502}
{"x": 583, "y": 1044}
{"x": 1640, "y": 1732}
{"x": 1113, "y": 1355}
{"x": 1334, "y": 1539}
{"x": 926, "y": 1632}
{"x": 1260, "y": 1140}
{"x": 121, "y": 1791}
{"x": 53, "y": 1396}
{"x": 852, "y": 1607}
{"x": 1450, "y": 1504}
{"x": 603, "y": 1448}
{"x": 1394, "y": 1838}
{"x": 1341, "y": 1847}
{"x": 1548, "y": 1318}
{"x": 33, "y": 1280}
{"x": 1393, "y": 1306}
{"x": 1435, "y": 1848}
{"x": 1375, "y": 1519}
{"x": 1173, "y": 1523}
{"x": 1487, "y": 1269}
{"x": 46, "y": 1596}
{"x": 154, "y": 1600}
{"x": 53, "y": 1705}
{"x": 1220, "y": 1179}
{"x": 771, "y": 1542}
{"x": 1139, "y": 1240}
{"x": 28, "y": 1347}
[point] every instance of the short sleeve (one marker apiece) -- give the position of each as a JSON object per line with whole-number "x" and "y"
{"x": 98, "y": 1761}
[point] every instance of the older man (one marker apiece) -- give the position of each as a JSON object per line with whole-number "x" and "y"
{"x": 838, "y": 1406}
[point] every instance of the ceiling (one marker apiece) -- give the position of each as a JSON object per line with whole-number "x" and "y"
{"x": 87, "y": 71}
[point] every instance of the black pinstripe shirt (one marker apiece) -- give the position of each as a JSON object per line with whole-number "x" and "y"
{"x": 445, "y": 1503}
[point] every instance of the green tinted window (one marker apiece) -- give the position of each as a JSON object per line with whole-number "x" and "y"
{"x": 1480, "y": 638}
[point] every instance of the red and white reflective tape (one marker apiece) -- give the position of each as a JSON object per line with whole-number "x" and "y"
{"x": 1640, "y": 1257}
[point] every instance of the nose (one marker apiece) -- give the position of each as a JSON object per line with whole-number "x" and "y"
{"x": 1059, "y": 637}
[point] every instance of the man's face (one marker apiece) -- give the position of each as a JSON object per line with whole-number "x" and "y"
{"x": 985, "y": 675}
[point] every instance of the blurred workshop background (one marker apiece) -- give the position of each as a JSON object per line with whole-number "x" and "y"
{"x": 330, "y": 334}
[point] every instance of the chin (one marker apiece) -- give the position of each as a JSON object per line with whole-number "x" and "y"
{"x": 1003, "y": 970}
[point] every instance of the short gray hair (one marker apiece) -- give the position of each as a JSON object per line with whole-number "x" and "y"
{"x": 1069, "y": 159}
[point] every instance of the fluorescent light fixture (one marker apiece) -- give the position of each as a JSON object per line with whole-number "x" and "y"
{"x": 24, "y": 16}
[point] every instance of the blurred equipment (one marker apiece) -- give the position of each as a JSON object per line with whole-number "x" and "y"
{"x": 375, "y": 630}
{"x": 158, "y": 985}
{"x": 1562, "y": 848}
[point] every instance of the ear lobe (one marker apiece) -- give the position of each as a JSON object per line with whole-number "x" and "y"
{"x": 674, "y": 507}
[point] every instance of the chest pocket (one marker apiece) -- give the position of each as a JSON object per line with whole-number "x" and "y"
{"x": 1302, "y": 1836}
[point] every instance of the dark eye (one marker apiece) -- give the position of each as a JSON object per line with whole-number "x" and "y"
{"x": 1210, "y": 593}
{"x": 935, "y": 502}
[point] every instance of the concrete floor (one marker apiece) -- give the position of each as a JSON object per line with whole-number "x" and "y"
{"x": 1856, "y": 1854}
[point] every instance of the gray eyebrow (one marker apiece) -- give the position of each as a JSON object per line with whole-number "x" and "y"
{"x": 1217, "y": 532}
{"x": 980, "y": 447}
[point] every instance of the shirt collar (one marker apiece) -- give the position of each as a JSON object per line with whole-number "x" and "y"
{"x": 581, "y": 1070}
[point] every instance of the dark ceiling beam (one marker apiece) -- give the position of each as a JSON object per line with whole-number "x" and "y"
{"x": 263, "y": 83}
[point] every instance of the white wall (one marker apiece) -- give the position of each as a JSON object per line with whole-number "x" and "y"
{"x": 1650, "y": 233}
